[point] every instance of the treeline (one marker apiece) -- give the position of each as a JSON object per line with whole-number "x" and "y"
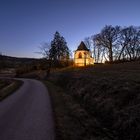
{"x": 115, "y": 43}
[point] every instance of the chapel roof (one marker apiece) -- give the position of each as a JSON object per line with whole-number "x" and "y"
{"x": 82, "y": 46}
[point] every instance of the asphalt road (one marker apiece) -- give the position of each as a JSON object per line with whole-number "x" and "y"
{"x": 27, "y": 114}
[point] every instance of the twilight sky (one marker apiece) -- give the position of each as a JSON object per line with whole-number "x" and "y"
{"x": 25, "y": 24}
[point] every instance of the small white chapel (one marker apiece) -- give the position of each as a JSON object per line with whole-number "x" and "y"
{"x": 83, "y": 56}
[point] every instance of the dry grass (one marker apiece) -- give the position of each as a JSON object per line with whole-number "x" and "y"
{"x": 7, "y": 87}
{"x": 4, "y": 83}
{"x": 67, "y": 113}
{"x": 104, "y": 98}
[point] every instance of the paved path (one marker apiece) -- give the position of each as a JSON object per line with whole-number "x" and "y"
{"x": 27, "y": 114}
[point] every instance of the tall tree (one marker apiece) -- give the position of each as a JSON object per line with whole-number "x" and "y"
{"x": 55, "y": 51}
{"x": 89, "y": 43}
{"x": 115, "y": 43}
{"x": 107, "y": 38}
{"x": 129, "y": 43}
{"x": 59, "y": 49}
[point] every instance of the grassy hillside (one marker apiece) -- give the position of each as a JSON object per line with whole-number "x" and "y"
{"x": 14, "y": 66}
{"x": 103, "y": 102}
{"x": 8, "y": 86}
{"x": 13, "y": 62}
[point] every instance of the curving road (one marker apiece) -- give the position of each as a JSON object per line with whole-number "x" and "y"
{"x": 27, "y": 114}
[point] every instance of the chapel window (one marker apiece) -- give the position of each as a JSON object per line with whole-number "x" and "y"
{"x": 80, "y": 55}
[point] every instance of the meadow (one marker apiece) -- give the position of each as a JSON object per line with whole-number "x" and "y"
{"x": 99, "y": 102}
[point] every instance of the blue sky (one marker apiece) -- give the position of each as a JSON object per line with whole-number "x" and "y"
{"x": 25, "y": 24}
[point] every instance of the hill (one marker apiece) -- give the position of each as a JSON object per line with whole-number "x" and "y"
{"x": 101, "y": 102}
{"x": 12, "y": 62}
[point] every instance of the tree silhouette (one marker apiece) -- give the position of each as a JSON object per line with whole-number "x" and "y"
{"x": 129, "y": 43}
{"x": 55, "y": 52}
{"x": 117, "y": 43}
{"x": 59, "y": 49}
{"x": 107, "y": 38}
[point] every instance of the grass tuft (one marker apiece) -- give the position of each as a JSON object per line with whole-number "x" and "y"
{"x": 8, "y": 87}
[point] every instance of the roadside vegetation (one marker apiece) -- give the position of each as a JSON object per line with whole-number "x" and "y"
{"x": 100, "y": 102}
{"x": 7, "y": 87}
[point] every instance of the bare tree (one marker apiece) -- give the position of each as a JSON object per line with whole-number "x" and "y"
{"x": 129, "y": 43}
{"x": 98, "y": 52}
{"x": 45, "y": 51}
{"x": 89, "y": 43}
{"x": 115, "y": 43}
{"x": 107, "y": 38}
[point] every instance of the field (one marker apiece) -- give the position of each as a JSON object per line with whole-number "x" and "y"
{"x": 100, "y": 102}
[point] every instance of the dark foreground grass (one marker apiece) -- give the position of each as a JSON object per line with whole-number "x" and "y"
{"x": 69, "y": 116}
{"x": 7, "y": 87}
{"x": 101, "y": 102}
{"x": 72, "y": 121}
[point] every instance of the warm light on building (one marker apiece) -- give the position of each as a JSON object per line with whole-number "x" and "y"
{"x": 82, "y": 56}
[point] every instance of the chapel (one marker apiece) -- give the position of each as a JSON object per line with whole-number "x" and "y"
{"x": 83, "y": 56}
